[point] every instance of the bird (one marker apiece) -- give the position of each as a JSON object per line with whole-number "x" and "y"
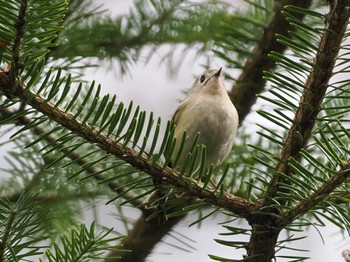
{"x": 206, "y": 116}
{"x": 209, "y": 112}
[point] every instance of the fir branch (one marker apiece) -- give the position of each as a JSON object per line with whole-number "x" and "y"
{"x": 251, "y": 81}
{"x": 144, "y": 236}
{"x": 265, "y": 227}
{"x": 82, "y": 244}
{"x": 22, "y": 224}
{"x": 5, "y": 232}
{"x": 150, "y": 23}
{"x": 315, "y": 88}
{"x": 227, "y": 201}
{"x": 19, "y": 26}
{"x": 317, "y": 196}
{"x": 76, "y": 157}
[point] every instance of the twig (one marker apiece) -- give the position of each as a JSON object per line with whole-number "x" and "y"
{"x": 76, "y": 157}
{"x": 227, "y": 201}
{"x": 314, "y": 91}
{"x": 144, "y": 236}
{"x": 251, "y": 81}
{"x": 20, "y": 24}
{"x": 319, "y": 195}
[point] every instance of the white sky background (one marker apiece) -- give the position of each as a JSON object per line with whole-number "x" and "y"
{"x": 151, "y": 87}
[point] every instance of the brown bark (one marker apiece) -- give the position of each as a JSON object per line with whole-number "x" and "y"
{"x": 251, "y": 81}
{"x": 144, "y": 236}
{"x": 315, "y": 88}
{"x": 266, "y": 226}
{"x": 263, "y": 240}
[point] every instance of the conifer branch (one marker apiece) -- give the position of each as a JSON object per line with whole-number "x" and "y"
{"x": 152, "y": 24}
{"x": 318, "y": 196}
{"x": 266, "y": 223}
{"x": 142, "y": 239}
{"x": 251, "y": 82}
{"x": 77, "y": 158}
{"x": 227, "y": 201}
{"x": 19, "y": 26}
{"x": 6, "y": 231}
{"x": 315, "y": 88}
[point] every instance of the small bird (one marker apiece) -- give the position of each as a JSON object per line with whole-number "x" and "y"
{"x": 206, "y": 110}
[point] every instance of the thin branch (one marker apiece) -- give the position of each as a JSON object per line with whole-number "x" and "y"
{"x": 314, "y": 91}
{"x": 227, "y": 201}
{"x": 76, "y": 157}
{"x": 6, "y": 237}
{"x": 268, "y": 224}
{"x": 20, "y": 24}
{"x": 144, "y": 236}
{"x": 318, "y": 196}
{"x": 251, "y": 81}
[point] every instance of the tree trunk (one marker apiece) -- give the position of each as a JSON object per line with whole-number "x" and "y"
{"x": 263, "y": 240}
{"x": 142, "y": 239}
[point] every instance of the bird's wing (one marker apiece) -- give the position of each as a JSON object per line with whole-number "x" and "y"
{"x": 179, "y": 112}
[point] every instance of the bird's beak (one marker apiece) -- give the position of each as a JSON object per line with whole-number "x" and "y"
{"x": 218, "y": 73}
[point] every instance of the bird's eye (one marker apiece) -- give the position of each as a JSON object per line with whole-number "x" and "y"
{"x": 202, "y": 79}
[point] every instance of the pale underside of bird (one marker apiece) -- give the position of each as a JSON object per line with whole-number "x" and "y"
{"x": 208, "y": 112}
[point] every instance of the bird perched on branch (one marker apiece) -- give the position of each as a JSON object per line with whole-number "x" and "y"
{"x": 207, "y": 111}
{"x": 206, "y": 118}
